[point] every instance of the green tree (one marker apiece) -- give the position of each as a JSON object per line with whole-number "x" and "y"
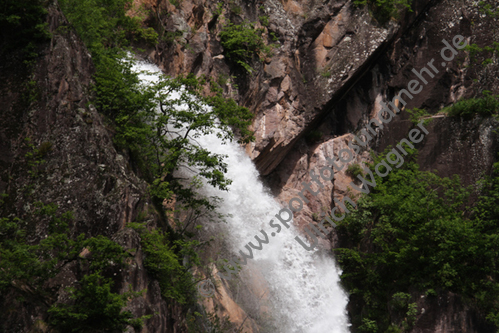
{"x": 163, "y": 259}
{"x": 105, "y": 25}
{"x": 242, "y": 42}
{"x": 93, "y": 306}
{"x": 413, "y": 232}
{"x": 485, "y": 107}
{"x": 164, "y": 137}
{"x": 160, "y": 142}
{"x": 22, "y": 26}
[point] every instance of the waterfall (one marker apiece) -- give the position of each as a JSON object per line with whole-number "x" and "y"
{"x": 305, "y": 294}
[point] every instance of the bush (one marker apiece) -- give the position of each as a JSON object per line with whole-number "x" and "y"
{"x": 23, "y": 25}
{"x": 105, "y": 25}
{"x": 384, "y": 10}
{"x": 413, "y": 232}
{"x": 94, "y": 308}
{"x": 416, "y": 114}
{"x": 242, "y": 42}
{"x": 485, "y": 107}
{"x": 153, "y": 140}
{"x": 354, "y": 170}
{"x": 264, "y": 20}
{"x": 164, "y": 261}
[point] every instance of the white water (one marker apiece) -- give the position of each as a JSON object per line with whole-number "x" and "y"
{"x": 304, "y": 286}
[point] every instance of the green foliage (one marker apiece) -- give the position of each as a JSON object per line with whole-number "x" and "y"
{"x": 165, "y": 140}
{"x": 26, "y": 266}
{"x": 34, "y": 157}
{"x": 218, "y": 9}
{"x": 488, "y": 9}
{"x": 414, "y": 232}
{"x": 176, "y": 3}
{"x": 31, "y": 93}
{"x": 93, "y": 308}
{"x": 164, "y": 261}
{"x": 103, "y": 25}
{"x": 264, "y": 20}
{"x": 368, "y": 326}
{"x": 326, "y": 74}
{"x": 23, "y": 25}
{"x": 313, "y": 136}
{"x": 489, "y": 52}
{"x": 354, "y": 170}
{"x": 242, "y": 42}
{"x": 384, "y": 10}
{"x": 273, "y": 37}
{"x": 401, "y": 303}
{"x": 236, "y": 10}
{"x": 416, "y": 114}
{"x": 485, "y": 107}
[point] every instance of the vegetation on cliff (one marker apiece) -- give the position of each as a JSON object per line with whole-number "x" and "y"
{"x": 384, "y": 10}
{"x": 485, "y": 107}
{"x": 94, "y": 305}
{"x": 23, "y": 26}
{"x": 242, "y": 42}
{"x": 157, "y": 125}
{"x": 413, "y": 234}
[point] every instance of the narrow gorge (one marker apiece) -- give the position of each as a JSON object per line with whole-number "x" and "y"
{"x": 145, "y": 145}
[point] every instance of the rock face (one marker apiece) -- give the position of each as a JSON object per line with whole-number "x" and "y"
{"x": 82, "y": 172}
{"x": 321, "y": 51}
{"x": 447, "y": 313}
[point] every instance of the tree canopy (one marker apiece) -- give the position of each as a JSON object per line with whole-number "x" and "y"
{"x": 414, "y": 233}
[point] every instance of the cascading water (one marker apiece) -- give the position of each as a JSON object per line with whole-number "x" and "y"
{"x": 305, "y": 294}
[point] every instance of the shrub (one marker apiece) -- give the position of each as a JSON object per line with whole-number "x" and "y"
{"x": 413, "y": 232}
{"x": 313, "y": 136}
{"x": 242, "y": 42}
{"x": 485, "y": 107}
{"x": 104, "y": 25}
{"x": 326, "y": 73}
{"x": 164, "y": 261}
{"x": 264, "y": 20}
{"x": 384, "y": 10}
{"x": 93, "y": 308}
{"x": 354, "y": 170}
{"x": 236, "y": 10}
{"x": 153, "y": 140}
{"x": 23, "y": 25}
{"x": 416, "y": 114}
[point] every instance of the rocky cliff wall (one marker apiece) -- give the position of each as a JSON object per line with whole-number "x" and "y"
{"x": 323, "y": 48}
{"x": 82, "y": 173}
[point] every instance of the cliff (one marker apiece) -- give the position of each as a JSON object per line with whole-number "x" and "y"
{"x": 81, "y": 172}
{"x": 331, "y": 66}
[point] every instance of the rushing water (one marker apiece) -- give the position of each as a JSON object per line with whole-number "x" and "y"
{"x": 305, "y": 294}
